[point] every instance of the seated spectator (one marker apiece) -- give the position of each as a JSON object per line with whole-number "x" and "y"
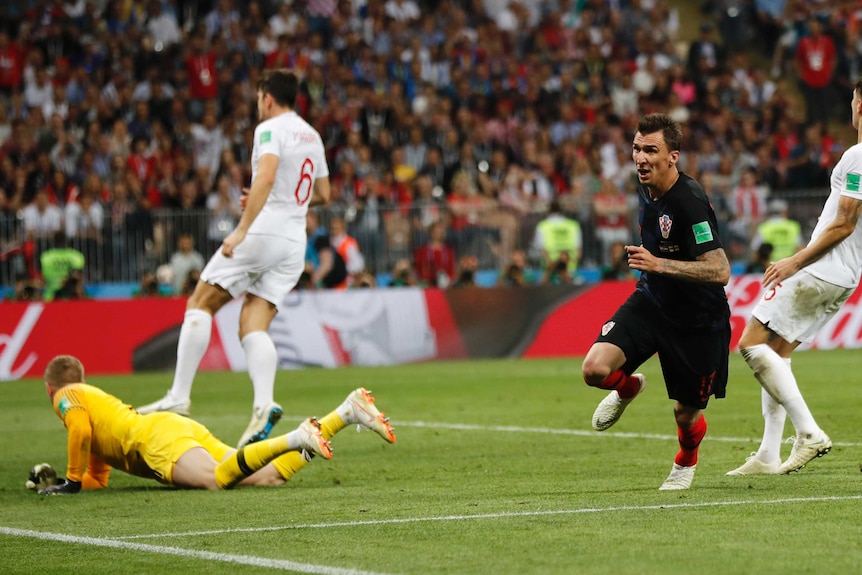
{"x": 26, "y": 289}
{"x": 806, "y": 166}
{"x": 466, "y": 274}
{"x": 149, "y": 286}
{"x": 364, "y": 279}
{"x": 185, "y": 260}
{"x": 617, "y": 267}
{"x": 514, "y": 274}
{"x": 435, "y": 261}
{"x": 72, "y": 287}
{"x": 556, "y": 272}
{"x": 760, "y": 259}
{"x": 403, "y": 274}
{"x": 190, "y": 281}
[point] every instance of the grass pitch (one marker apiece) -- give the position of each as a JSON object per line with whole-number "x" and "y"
{"x": 496, "y": 470}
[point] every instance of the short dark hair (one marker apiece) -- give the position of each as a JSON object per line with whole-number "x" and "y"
{"x": 859, "y": 87}
{"x": 670, "y": 129}
{"x": 281, "y": 84}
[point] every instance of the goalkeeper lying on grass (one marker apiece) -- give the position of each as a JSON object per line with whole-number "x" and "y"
{"x": 103, "y": 432}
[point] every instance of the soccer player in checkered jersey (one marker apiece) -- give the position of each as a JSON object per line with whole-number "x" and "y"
{"x": 679, "y": 308}
{"x": 263, "y": 257}
{"x": 803, "y": 292}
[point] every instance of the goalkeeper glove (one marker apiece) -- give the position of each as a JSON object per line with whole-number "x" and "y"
{"x": 41, "y": 476}
{"x": 63, "y": 487}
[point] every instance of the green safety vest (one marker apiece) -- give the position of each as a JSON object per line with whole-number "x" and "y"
{"x": 561, "y": 235}
{"x": 56, "y": 265}
{"x": 784, "y": 235}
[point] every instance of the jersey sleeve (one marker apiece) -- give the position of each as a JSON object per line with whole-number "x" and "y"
{"x": 80, "y": 434}
{"x": 96, "y": 476}
{"x": 701, "y": 232}
{"x": 267, "y": 140}
{"x": 851, "y": 182}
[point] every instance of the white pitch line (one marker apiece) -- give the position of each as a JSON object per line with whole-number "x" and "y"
{"x": 500, "y": 515}
{"x": 576, "y": 432}
{"x": 280, "y": 564}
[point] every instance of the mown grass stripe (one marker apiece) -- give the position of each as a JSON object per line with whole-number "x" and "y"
{"x": 499, "y": 515}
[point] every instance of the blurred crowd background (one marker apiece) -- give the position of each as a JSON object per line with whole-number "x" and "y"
{"x": 469, "y": 141}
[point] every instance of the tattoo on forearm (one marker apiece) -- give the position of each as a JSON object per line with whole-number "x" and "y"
{"x": 711, "y": 267}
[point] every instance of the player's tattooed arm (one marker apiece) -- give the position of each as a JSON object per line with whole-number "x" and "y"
{"x": 710, "y": 267}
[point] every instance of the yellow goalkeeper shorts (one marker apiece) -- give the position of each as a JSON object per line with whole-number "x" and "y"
{"x": 162, "y": 438}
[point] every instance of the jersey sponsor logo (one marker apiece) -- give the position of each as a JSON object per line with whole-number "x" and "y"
{"x": 64, "y": 406}
{"x": 664, "y": 224}
{"x": 853, "y": 181}
{"x": 702, "y": 233}
{"x": 265, "y": 137}
{"x": 606, "y": 329}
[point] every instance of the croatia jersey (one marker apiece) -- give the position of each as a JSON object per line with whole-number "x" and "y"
{"x": 301, "y": 161}
{"x": 842, "y": 265}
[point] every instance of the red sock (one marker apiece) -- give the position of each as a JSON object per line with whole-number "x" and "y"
{"x": 626, "y": 385}
{"x": 689, "y": 441}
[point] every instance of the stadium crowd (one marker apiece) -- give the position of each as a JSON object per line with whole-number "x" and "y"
{"x": 452, "y": 127}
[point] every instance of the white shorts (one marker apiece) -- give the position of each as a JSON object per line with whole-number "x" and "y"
{"x": 265, "y": 266}
{"x": 800, "y": 306}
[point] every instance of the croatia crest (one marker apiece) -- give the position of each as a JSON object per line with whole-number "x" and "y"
{"x": 664, "y": 224}
{"x": 606, "y": 329}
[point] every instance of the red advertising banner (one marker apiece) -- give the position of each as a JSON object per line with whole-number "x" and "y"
{"x": 573, "y": 326}
{"x": 102, "y": 334}
{"x": 354, "y": 327}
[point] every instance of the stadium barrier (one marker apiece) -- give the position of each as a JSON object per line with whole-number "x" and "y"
{"x": 353, "y": 327}
{"x": 118, "y": 254}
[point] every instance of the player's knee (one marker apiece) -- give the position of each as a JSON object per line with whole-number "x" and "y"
{"x": 685, "y": 415}
{"x": 595, "y": 372}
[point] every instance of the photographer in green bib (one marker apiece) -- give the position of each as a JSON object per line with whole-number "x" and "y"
{"x": 58, "y": 263}
{"x": 778, "y": 229}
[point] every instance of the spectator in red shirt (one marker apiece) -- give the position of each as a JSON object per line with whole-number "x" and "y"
{"x": 11, "y": 65}
{"x": 201, "y": 69}
{"x": 816, "y": 59}
{"x": 435, "y": 261}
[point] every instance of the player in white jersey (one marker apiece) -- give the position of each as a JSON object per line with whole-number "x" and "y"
{"x": 263, "y": 257}
{"x": 804, "y": 292}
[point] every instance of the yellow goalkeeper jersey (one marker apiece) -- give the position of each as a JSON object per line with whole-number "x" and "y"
{"x": 103, "y": 432}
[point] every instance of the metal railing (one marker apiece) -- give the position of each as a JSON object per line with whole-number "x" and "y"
{"x": 127, "y": 248}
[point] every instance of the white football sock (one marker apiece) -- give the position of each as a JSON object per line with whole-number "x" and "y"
{"x": 776, "y": 377}
{"x": 294, "y": 440}
{"x": 345, "y": 412}
{"x": 194, "y": 341}
{"x": 262, "y": 359}
{"x": 774, "y": 416}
